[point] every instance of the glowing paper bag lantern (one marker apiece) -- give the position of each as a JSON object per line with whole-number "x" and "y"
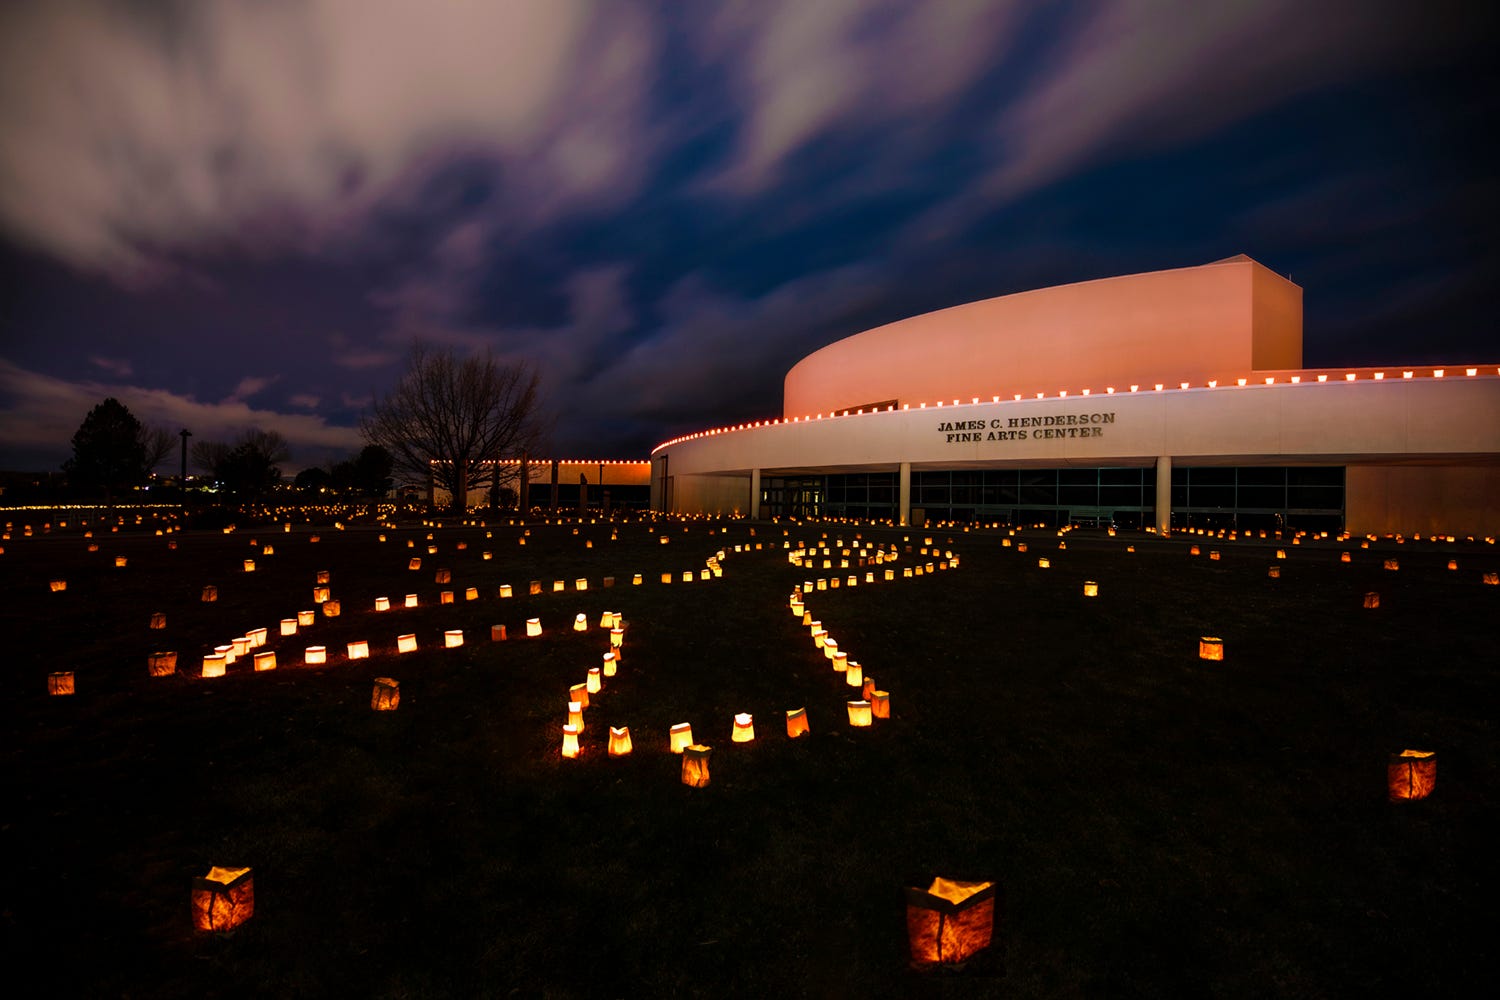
{"x": 382, "y": 604}
{"x": 619, "y": 741}
{"x": 575, "y": 715}
{"x": 442, "y": 576}
{"x": 306, "y": 617}
{"x": 249, "y": 565}
{"x": 321, "y": 576}
{"x": 1492, "y": 579}
{"x": 580, "y": 622}
{"x": 1344, "y": 557}
{"x": 796, "y": 722}
{"x": 359, "y": 649}
{"x": 1090, "y": 588}
{"x": 406, "y": 643}
{"x": 1372, "y": 600}
{"x": 60, "y": 682}
{"x": 611, "y": 661}
{"x": 386, "y": 695}
{"x": 445, "y": 597}
{"x": 854, "y": 675}
{"x": 1411, "y": 775}
{"x": 859, "y": 713}
{"x": 161, "y": 664}
{"x": 1274, "y": 572}
{"x": 411, "y": 600}
{"x": 1392, "y": 564}
{"x": 1210, "y": 648}
{"x": 950, "y": 921}
{"x": 533, "y": 627}
{"x": 505, "y": 590}
{"x": 570, "y": 740}
{"x": 695, "y": 765}
{"x": 210, "y": 594}
{"x": 288, "y": 626}
{"x": 214, "y": 665}
{"x": 58, "y": 586}
{"x": 415, "y": 563}
{"x": 880, "y": 704}
{"x": 331, "y": 609}
{"x": 1044, "y": 562}
{"x": 315, "y": 655}
{"x": 744, "y": 728}
{"x": 453, "y": 638}
{"x": 471, "y": 594}
{"x": 595, "y": 680}
{"x": 158, "y": 620}
{"x": 223, "y": 899}
{"x": 617, "y": 635}
{"x": 680, "y": 737}
{"x": 265, "y": 660}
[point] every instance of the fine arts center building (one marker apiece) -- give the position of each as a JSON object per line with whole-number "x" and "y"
{"x": 1171, "y": 398}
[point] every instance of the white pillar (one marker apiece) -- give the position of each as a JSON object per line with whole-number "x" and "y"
{"x": 903, "y": 513}
{"x": 754, "y": 494}
{"x": 1164, "y": 495}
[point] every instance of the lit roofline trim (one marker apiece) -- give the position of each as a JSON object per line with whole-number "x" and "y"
{"x": 1296, "y": 381}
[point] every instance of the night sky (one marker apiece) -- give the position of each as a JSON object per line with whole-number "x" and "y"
{"x": 240, "y": 214}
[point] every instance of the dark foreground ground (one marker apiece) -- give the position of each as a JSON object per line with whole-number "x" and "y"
{"x": 1157, "y": 825}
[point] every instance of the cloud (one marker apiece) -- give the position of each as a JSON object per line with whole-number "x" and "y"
{"x": 802, "y": 70}
{"x": 306, "y": 400}
{"x": 1140, "y": 76}
{"x": 250, "y": 385}
{"x": 717, "y": 356}
{"x": 118, "y": 367}
{"x": 135, "y": 133}
{"x": 40, "y": 413}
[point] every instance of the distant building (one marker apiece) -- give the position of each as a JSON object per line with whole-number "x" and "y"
{"x": 1171, "y": 398}
{"x": 628, "y": 484}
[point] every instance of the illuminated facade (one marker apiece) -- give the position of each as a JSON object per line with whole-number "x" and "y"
{"x": 1168, "y": 398}
{"x": 561, "y": 483}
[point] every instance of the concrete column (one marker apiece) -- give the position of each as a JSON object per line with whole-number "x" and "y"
{"x": 903, "y": 513}
{"x": 754, "y": 494}
{"x": 1164, "y": 495}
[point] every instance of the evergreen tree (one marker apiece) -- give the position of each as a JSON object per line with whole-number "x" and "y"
{"x": 109, "y": 450}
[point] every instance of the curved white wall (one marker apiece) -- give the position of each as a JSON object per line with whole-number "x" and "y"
{"x": 1452, "y": 421}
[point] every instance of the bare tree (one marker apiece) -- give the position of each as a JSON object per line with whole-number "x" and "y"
{"x": 247, "y": 468}
{"x": 159, "y": 442}
{"x": 449, "y": 415}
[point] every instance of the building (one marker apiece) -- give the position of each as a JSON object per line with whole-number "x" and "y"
{"x": 561, "y": 483}
{"x": 1171, "y": 398}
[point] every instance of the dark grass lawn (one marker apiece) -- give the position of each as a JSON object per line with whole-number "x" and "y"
{"x": 1157, "y": 825}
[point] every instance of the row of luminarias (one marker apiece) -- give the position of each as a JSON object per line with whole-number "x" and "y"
{"x": 216, "y": 663}
{"x": 695, "y": 756}
{"x": 1240, "y": 382}
{"x": 947, "y": 923}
